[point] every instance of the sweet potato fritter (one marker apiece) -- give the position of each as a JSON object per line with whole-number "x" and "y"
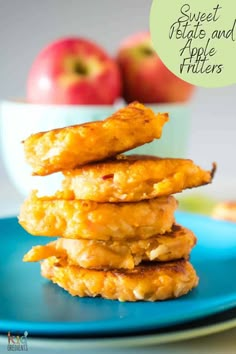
{"x": 225, "y": 211}
{"x": 173, "y": 245}
{"x": 150, "y": 281}
{"x": 99, "y": 221}
{"x": 66, "y": 148}
{"x": 133, "y": 178}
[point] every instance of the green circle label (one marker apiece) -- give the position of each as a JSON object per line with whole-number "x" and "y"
{"x": 196, "y": 39}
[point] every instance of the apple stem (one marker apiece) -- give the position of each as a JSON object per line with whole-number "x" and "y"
{"x": 80, "y": 68}
{"x": 147, "y": 51}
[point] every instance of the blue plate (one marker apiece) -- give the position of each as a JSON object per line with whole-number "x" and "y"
{"x": 30, "y": 303}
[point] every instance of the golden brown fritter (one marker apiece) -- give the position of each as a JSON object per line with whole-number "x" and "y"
{"x": 101, "y": 221}
{"x": 225, "y": 211}
{"x": 173, "y": 245}
{"x": 66, "y": 148}
{"x": 133, "y": 178}
{"x": 150, "y": 281}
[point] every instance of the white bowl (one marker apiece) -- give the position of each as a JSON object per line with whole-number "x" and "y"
{"x": 20, "y": 119}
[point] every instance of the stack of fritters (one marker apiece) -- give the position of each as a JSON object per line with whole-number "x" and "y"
{"x": 114, "y": 213}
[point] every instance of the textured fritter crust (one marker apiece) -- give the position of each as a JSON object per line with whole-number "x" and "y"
{"x": 174, "y": 245}
{"x": 66, "y": 148}
{"x": 151, "y": 281}
{"x": 101, "y": 221}
{"x": 225, "y": 211}
{"x": 133, "y": 178}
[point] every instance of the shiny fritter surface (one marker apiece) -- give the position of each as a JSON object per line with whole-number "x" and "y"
{"x": 225, "y": 211}
{"x": 176, "y": 244}
{"x": 133, "y": 178}
{"x": 66, "y": 148}
{"x": 150, "y": 281}
{"x": 100, "y": 221}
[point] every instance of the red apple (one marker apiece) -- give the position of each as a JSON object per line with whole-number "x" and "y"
{"x": 145, "y": 77}
{"x": 74, "y": 71}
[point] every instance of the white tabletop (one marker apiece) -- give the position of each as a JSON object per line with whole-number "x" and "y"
{"x": 220, "y": 343}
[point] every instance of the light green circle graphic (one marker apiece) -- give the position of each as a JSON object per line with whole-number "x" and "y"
{"x": 196, "y": 39}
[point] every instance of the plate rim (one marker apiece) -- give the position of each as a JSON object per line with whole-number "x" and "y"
{"x": 129, "y": 341}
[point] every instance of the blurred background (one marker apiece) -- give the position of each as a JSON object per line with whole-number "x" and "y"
{"x": 27, "y": 26}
